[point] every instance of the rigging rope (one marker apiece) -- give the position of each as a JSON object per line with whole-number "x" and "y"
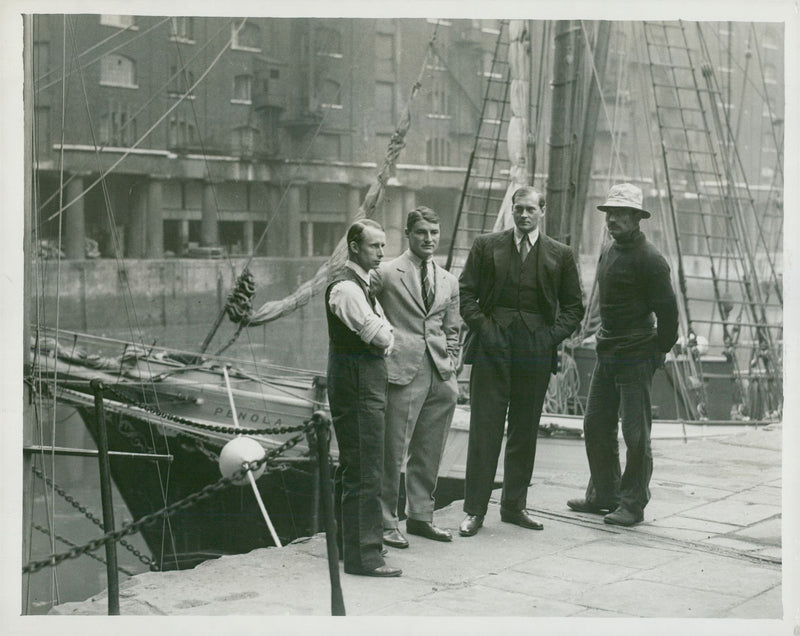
{"x": 272, "y": 310}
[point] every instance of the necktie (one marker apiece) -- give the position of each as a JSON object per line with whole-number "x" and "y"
{"x": 427, "y": 291}
{"x": 524, "y": 247}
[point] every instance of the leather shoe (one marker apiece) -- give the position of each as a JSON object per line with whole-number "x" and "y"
{"x": 520, "y": 518}
{"x": 428, "y": 530}
{"x": 470, "y": 525}
{"x": 382, "y": 571}
{"x": 581, "y": 505}
{"x": 393, "y": 537}
{"x": 623, "y": 517}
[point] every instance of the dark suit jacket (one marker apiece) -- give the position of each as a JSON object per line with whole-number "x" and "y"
{"x": 486, "y": 269}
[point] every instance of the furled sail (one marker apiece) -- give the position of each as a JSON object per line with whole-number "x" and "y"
{"x": 517, "y": 136}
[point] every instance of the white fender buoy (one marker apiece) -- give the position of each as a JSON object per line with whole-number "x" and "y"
{"x": 236, "y": 452}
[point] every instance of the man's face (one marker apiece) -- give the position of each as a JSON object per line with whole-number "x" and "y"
{"x": 621, "y": 221}
{"x": 369, "y": 252}
{"x": 527, "y": 213}
{"x": 423, "y": 239}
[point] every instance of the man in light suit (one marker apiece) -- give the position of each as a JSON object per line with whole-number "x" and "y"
{"x": 420, "y": 299}
{"x": 520, "y": 297}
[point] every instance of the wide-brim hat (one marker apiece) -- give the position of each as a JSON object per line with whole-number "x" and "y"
{"x": 624, "y": 195}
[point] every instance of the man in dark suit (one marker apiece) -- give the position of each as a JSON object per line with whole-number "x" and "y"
{"x": 520, "y": 297}
{"x": 420, "y": 299}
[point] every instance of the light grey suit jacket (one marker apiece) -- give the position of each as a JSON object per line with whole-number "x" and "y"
{"x": 397, "y": 287}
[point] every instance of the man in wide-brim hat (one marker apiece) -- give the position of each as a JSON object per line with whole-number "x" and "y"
{"x": 639, "y": 324}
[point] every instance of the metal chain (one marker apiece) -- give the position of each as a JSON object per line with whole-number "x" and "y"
{"x": 231, "y": 430}
{"x": 45, "y": 531}
{"x": 203, "y": 493}
{"x": 86, "y": 513}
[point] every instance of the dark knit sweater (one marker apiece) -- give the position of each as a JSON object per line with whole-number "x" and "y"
{"x": 638, "y": 309}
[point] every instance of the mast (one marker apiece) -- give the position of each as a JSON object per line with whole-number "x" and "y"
{"x": 558, "y": 177}
{"x": 28, "y": 413}
{"x": 594, "y": 102}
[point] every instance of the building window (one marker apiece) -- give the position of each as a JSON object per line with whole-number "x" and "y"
{"x": 243, "y": 141}
{"x": 181, "y": 132}
{"x": 242, "y": 89}
{"x": 770, "y": 73}
{"x": 245, "y": 37}
{"x": 491, "y": 27}
{"x": 384, "y": 104}
{"x": 328, "y": 42}
{"x": 488, "y": 57}
{"x": 384, "y": 25}
{"x": 181, "y": 81}
{"x": 440, "y": 99}
{"x": 41, "y": 57}
{"x": 118, "y": 70}
{"x": 330, "y": 94}
{"x": 120, "y": 21}
{"x": 41, "y": 128}
{"x": 437, "y": 152}
{"x": 384, "y": 54}
{"x": 117, "y": 126}
{"x": 319, "y": 238}
{"x": 182, "y": 29}
{"x": 769, "y": 42}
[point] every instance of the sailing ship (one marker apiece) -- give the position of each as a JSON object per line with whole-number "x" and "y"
{"x": 176, "y": 404}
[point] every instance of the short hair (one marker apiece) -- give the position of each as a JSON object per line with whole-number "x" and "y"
{"x": 356, "y": 230}
{"x": 524, "y": 191}
{"x": 421, "y": 213}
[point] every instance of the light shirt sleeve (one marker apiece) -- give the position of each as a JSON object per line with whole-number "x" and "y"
{"x": 348, "y": 304}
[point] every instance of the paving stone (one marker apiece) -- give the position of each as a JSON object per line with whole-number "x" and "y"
{"x": 680, "y": 534}
{"x": 720, "y": 574}
{"x": 480, "y": 600}
{"x": 594, "y": 612}
{"x": 733, "y": 544}
{"x": 766, "y": 605}
{"x": 627, "y": 554}
{"x": 761, "y": 494}
{"x": 542, "y": 586}
{"x": 768, "y": 531}
{"x": 569, "y": 569}
{"x": 678, "y": 487}
{"x": 733, "y": 512}
{"x": 690, "y": 523}
{"x": 655, "y": 599}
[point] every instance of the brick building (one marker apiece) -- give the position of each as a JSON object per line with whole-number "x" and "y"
{"x": 287, "y": 120}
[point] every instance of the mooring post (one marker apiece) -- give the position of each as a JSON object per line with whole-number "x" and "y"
{"x": 322, "y": 426}
{"x": 105, "y": 495}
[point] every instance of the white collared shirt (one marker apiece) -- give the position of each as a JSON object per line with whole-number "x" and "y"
{"x": 533, "y": 236}
{"x": 417, "y": 261}
{"x": 348, "y": 304}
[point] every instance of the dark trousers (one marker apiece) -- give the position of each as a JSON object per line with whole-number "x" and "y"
{"x": 509, "y": 376}
{"x": 619, "y": 392}
{"x": 357, "y": 395}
